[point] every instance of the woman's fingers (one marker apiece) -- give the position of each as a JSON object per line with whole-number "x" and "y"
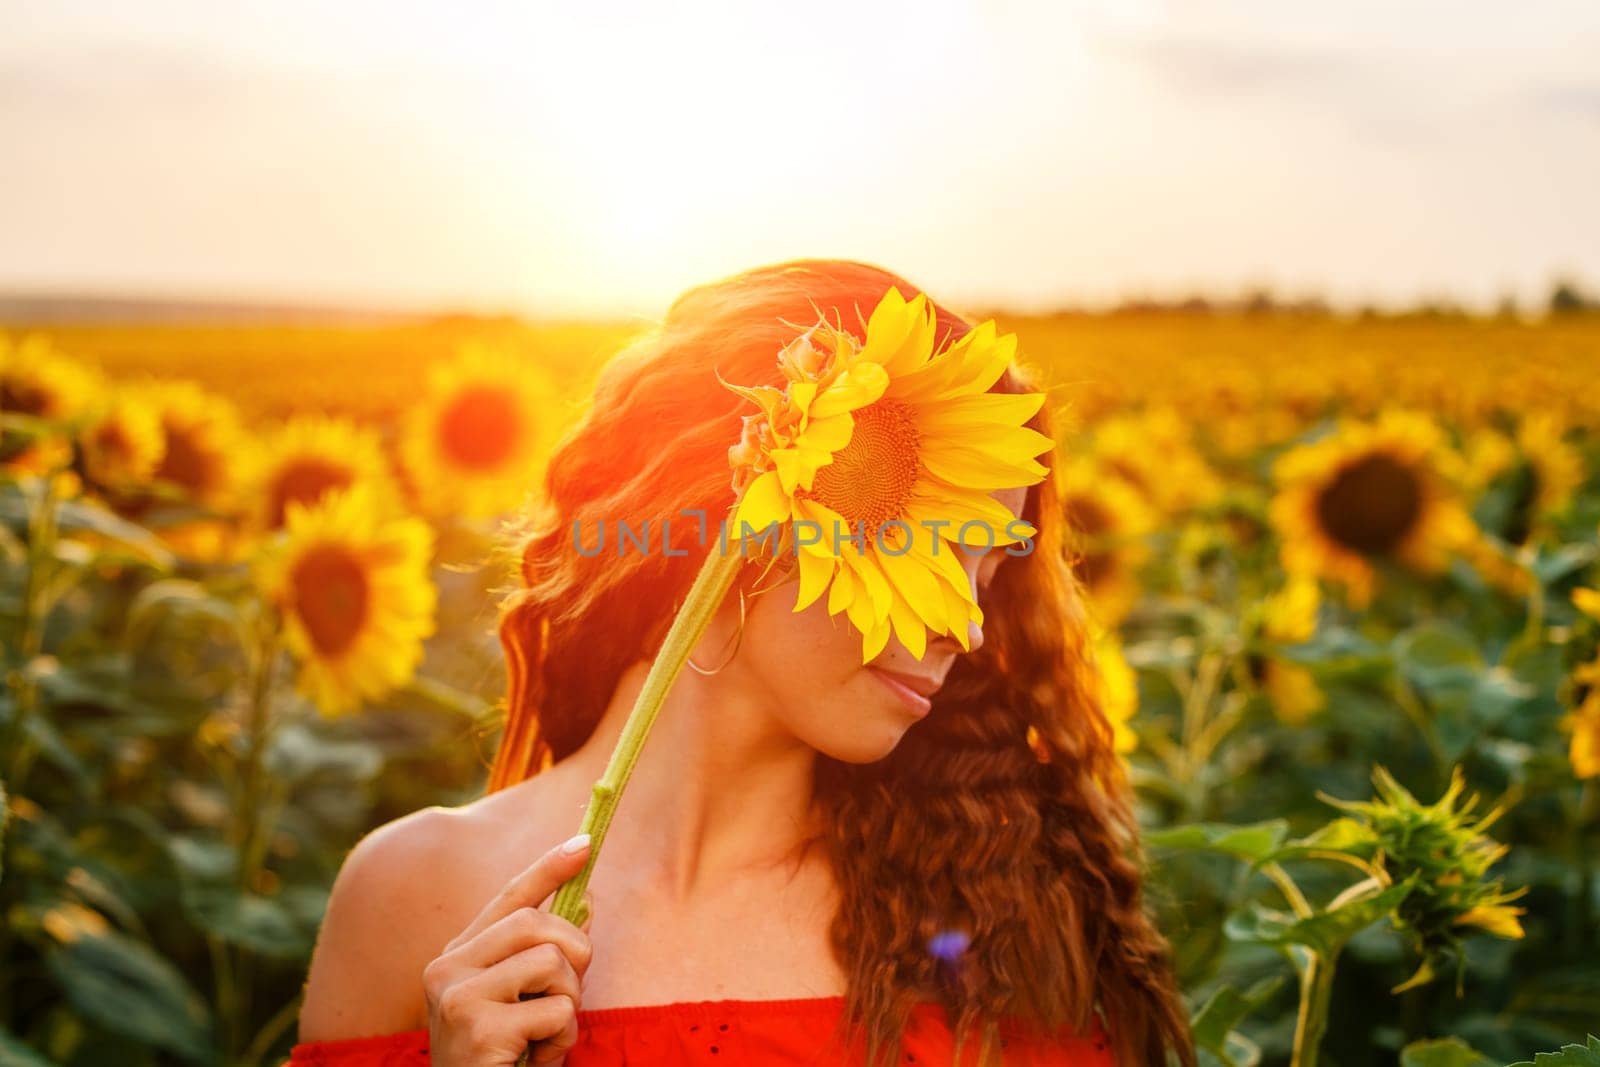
{"x": 523, "y": 928}
{"x": 549, "y": 1025}
{"x": 538, "y": 971}
{"x": 530, "y": 888}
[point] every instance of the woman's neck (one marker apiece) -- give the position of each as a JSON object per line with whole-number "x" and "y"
{"x": 721, "y": 791}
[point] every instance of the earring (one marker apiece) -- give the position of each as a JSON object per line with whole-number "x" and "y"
{"x": 738, "y": 636}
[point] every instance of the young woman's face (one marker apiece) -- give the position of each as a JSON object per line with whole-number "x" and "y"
{"x": 807, "y": 664}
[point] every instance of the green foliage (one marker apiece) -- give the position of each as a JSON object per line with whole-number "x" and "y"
{"x": 1443, "y": 1052}
{"x": 1585, "y": 1055}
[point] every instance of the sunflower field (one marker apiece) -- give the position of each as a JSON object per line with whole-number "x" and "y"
{"x": 1345, "y": 573}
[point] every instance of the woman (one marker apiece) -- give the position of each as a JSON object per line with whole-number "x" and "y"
{"x": 806, "y": 844}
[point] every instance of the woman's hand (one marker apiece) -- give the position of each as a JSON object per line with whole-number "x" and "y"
{"x": 475, "y": 1015}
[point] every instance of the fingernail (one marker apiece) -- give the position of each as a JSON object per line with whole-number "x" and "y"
{"x": 575, "y": 844}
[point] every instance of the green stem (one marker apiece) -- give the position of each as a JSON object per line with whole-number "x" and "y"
{"x": 270, "y": 1033}
{"x": 1316, "y": 990}
{"x": 1584, "y": 857}
{"x": 1291, "y": 891}
{"x": 22, "y": 678}
{"x": 1419, "y": 718}
{"x": 249, "y": 835}
{"x": 705, "y": 596}
{"x": 248, "y": 821}
{"x": 1197, "y": 700}
{"x": 222, "y": 980}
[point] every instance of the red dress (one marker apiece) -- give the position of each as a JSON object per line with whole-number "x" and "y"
{"x": 737, "y": 1033}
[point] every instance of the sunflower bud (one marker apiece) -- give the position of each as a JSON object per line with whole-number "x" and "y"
{"x": 1447, "y": 848}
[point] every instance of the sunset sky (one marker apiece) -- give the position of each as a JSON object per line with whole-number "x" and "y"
{"x": 597, "y": 158}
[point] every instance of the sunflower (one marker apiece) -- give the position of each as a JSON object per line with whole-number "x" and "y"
{"x": 884, "y": 439}
{"x": 473, "y": 444}
{"x": 310, "y": 455}
{"x": 203, "y": 442}
{"x": 1583, "y": 722}
{"x": 1154, "y": 451}
{"x": 1292, "y": 690}
{"x": 123, "y": 448}
{"x": 42, "y": 457}
{"x": 355, "y": 593}
{"x": 1119, "y": 688}
{"x": 1289, "y": 616}
{"x": 36, "y": 379}
{"x": 1542, "y": 469}
{"x": 1107, "y": 522}
{"x": 1381, "y": 491}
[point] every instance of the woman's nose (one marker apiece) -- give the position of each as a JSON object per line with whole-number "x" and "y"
{"x": 974, "y": 636}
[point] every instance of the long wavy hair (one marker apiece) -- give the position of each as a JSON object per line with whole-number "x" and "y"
{"x": 1005, "y": 815}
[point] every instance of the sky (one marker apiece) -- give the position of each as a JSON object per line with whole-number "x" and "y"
{"x": 596, "y": 159}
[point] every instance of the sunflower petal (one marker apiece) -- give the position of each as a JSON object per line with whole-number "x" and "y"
{"x": 843, "y": 589}
{"x": 916, "y": 587}
{"x": 874, "y": 641}
{"x": 908, "y": 627}
{"x": 762, "y": 504}
{"x": 814, "y": 574}
{"x": 860, "y": 384}
{"x": 975, "y": 468}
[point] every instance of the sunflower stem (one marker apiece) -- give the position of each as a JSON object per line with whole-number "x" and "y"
{"x": 1316, "y": 990}
{"x": 688, "y": 626}
{"x": 23, "y": 677}
{"x": 249, "y": 833}
{"x": 705, "y": 596}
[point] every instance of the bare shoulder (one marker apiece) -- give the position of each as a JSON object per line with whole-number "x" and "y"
{"x": 404, "y": 892}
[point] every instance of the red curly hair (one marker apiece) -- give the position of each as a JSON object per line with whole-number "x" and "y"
{"x": 1025, "y": 839}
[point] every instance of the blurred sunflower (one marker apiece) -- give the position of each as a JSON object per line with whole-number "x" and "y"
{"x": 472, "y": 445}
{"x": 1244, "y": 413}
{"x": 356, "y": 597}
{"x": 36, "y": 379}
{"x": 1292, "y": 690}
{"x": 1108, "y": 522}
{"x": 885, "y": 436}
{"x": 122, "y": 449}
{"x": 1119, "y": 690}
{"x": 203, "y": 453}
{"x": 1376, "y": 491}
{"x": 1583, "y": 722}
{"x": 1289, "y": 616}
{"x": 40, "y": 457}
{"x": 1540, "y": 468}
{"x": 1154, "y": 451}
{"x": 310, "y": 455}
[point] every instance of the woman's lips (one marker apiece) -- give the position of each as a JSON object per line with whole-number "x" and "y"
{"x": 914, "y": 700}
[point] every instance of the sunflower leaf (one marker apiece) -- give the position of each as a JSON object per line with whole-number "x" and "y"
{"x": 1253, "y": 842}
{"x": 1443, "y": 1052}
{"x": 1587, "y": 1055}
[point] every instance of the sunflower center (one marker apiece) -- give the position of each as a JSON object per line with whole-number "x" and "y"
{"x": 112, "y": 439}
{"x": 186, "y": 463}
{"x": 1090, "y": 520}
{"x": 304, "y": 482}
{"x": 1371, "y": 505}
{"x": 23, "y": 398}
{"x": 479, "y": 427}
{"x": 871, "y": 479}
{"x": 331, "y": 594}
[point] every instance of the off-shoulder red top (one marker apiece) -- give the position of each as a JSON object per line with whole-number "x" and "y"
{"x": 739, "y": 1033}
